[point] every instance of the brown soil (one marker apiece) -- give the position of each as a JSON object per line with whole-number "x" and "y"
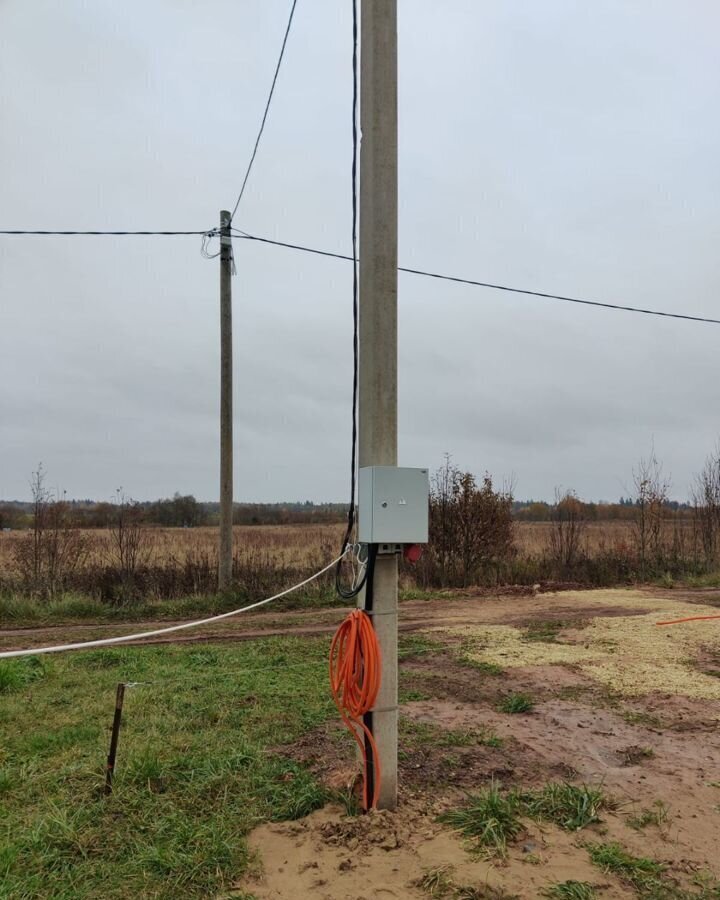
{"x": 644, "y": 748}
{"x": 329, "y": 856}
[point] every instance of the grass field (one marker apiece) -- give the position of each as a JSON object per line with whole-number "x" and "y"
{"x": 286, "y": 543}
{"x": 195, "y": 772}
{"x": 295, "y": 543}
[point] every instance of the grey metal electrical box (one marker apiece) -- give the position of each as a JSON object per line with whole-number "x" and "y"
{"x": 393, "y": 505}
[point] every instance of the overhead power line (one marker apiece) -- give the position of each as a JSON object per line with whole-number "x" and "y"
{"x": 267, "y": 109}
{"x": 488, "y": 284}
{"x": 37, "y": 233}
{"x": 425, "y": 273}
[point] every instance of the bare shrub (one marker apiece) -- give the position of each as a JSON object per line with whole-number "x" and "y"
{"x": 55, "y": 548}
{"x": 471, "y": 528}
{"x": 706, "y": 507}
{"x": 64, "y": 544}
{"x": 651, "y": 497}
{"x": 568, "y": 520}
{"x": 131, "y": 545}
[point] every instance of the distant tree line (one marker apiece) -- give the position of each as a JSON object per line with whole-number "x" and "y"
{"x": 624, "y": 510}
{"x": 178, "y": 511}
{"x": 184, "y": 511}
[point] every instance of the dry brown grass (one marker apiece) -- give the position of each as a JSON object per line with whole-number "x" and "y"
{"x": 296, "y": 543}
{"x": 288, "y": 544}
{"x": 181, "y": 562}
{"x": 532, "y": 538}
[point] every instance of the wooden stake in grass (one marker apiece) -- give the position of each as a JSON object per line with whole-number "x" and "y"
{"x": 114, "y": 737}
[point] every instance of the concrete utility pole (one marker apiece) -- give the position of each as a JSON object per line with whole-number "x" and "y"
{"x": 378, "y": 336}
{"x": 226, "y": 405}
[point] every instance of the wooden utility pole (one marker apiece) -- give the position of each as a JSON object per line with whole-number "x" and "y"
{"x": 378, "y": 337}
{"x": 226, "y": 406}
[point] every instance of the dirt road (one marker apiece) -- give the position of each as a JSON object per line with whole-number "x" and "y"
{"x": 468, "y": 609}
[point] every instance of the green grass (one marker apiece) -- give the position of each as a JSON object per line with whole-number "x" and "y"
{"x": 711, "y": 580}
{"x": 490, "y": 820}
{"x": 649, "y": 878}
{"x": 199, "y": 764}
{"x": 570, "y": 807}
{"x": 15, "y": 674}
{"x": 411, "y": 695}
{"x": 19, "y": 610}
{"x": 570, "y": 890}
{"x": 485, "y": 668}
{"x": 641, "y": 873}
{"x": 516, "y": 703}
{"x": 543, "y": 632}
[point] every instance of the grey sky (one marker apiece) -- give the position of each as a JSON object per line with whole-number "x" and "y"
{"x": 562, "y": 146}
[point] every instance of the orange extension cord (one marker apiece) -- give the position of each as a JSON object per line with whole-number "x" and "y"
{"x": 688, "y": 619}
{"x": 355, "y": 681}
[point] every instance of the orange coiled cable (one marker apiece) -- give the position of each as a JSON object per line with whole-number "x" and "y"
{"x": 355, "y": 681}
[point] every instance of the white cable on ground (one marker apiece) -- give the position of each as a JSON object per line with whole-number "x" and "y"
{"x": 104, "y": 642}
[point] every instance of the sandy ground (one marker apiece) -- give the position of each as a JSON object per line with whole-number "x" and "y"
{"x": 619, "y": 702}
{"x": 622, "y": 647}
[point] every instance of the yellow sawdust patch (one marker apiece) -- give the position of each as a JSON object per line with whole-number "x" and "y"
{"x": 630, "y": 654}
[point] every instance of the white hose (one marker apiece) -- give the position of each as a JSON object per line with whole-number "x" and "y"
{"x": 104, "y": 642}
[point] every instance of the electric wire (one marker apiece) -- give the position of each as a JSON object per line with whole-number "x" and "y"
{"x": 41, "y": 233}
{"x": 491, "y": 285}
{"x": 357, "y": 586}
{"x": 267, "y": 109}
{"x": 209, "y": 233}
{"x": 124, "y": 638}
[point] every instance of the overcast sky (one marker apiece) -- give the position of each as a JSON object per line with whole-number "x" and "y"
{"x": 560, "y": 145}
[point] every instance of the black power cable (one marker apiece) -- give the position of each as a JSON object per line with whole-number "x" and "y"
{"x": 488, "y": 284}
{"x": 368, "y": 716}
{"x": 104, "y": 233}
{"x": 355, "y": 589}
{"x": 267, "y": 109}
{"x": 423, "y": 272}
